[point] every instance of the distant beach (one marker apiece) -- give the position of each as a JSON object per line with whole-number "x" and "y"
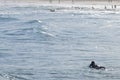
{"x": 92, "y": 2}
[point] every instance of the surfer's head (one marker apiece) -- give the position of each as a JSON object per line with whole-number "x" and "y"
{"x": 92, "y": 63}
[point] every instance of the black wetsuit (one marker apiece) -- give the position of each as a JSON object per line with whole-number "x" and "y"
{"x": 93, "y": 65}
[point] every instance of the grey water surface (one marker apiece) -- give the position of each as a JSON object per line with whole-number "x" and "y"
{"x": 37, "y": 44}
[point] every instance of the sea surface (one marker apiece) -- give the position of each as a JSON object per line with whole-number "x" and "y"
{"x": 58, "y": 43}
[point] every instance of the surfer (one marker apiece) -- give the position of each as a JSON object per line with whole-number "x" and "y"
{"x": 52, "y": 10}
{"x": 94, "y": 66}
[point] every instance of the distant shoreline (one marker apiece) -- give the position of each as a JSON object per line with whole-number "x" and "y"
{"x": 75, "y": 2}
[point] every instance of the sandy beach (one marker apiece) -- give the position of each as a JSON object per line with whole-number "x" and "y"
{"x": 76, "y": 2}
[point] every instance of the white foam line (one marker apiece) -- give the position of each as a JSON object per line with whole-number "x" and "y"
{"x": 49, "y": 34}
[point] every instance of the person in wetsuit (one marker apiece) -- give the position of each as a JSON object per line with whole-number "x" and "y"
{"x": 94, "y": 66}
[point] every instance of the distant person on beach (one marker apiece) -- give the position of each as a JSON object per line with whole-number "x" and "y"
{"x": 94, "y": 66}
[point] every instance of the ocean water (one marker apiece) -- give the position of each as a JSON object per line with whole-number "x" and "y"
{"x": 37, "y": 43}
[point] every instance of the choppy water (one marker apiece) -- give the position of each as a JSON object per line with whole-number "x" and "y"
{"x": 36, "y": 44}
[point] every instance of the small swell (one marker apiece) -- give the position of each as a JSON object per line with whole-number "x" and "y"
{"x": 33, "y": 22}
{"x": 7, "y": 19}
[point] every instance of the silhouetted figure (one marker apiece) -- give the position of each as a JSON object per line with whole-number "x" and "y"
{"x": 93, "y": 7}
{"x": 115, "y": 6}
{"x": 105, "y": 7}
{"x": 94, "y": 66}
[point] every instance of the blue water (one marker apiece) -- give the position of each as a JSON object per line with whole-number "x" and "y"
{"x": 37, "y": 44}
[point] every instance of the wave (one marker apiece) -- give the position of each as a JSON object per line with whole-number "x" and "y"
{"x": 31, "y": 30}
{"x": 7, "y": 19}
{"x": 35, "y": 25}
{"x": 6, "y": 76}
{"x": 33, "y": 22}
{"x": 48, "y": 34}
